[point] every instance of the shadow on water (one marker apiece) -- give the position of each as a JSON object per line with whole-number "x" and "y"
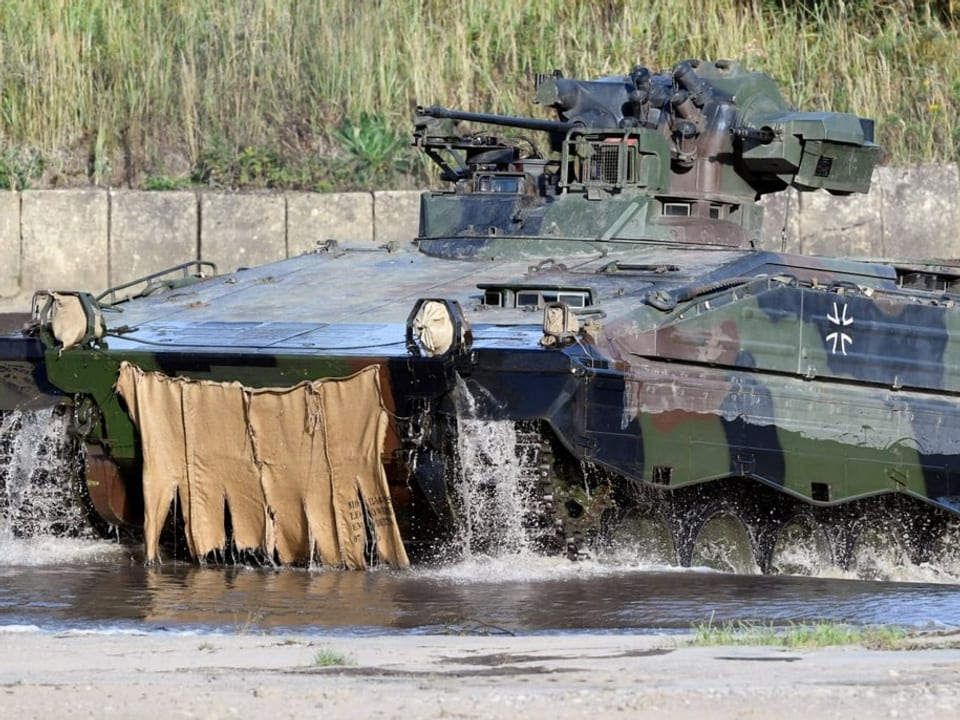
{"x": 549, "y": 596}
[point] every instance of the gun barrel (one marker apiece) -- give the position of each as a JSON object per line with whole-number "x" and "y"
{"x": 436, "y": 111}
{"x": 762, "y": 135}
{"x": 833, "y": 151}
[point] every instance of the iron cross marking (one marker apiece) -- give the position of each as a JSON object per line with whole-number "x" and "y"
{"x": 840, "y": 319}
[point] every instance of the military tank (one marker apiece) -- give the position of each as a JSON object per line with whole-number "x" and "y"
{"x": 595, "y": 289}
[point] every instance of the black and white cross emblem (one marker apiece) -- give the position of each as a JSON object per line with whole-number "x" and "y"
{"x": 840, "y": 319}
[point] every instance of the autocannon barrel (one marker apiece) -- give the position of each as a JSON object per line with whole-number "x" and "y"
{"x": 833, "y": 151}
{"x": 435, "y": 111}
{"x": 762, "y": 135}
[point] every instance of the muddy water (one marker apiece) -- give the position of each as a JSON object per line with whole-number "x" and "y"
{"x": 69, "y": 584}
{"x": 57, "y": 583}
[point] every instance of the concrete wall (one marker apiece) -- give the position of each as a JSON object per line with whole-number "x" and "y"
{"x": 94, "y": 239}
{"x": 909, "y": 212}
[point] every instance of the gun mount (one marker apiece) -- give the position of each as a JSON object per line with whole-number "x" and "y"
{"x": 704, "y": 140}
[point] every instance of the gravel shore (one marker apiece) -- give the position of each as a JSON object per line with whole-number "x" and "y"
{"x": 45, "y": 675}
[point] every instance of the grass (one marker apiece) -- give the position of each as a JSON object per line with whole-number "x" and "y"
{"x": 111, "y": 92}
{"x": 804, "y": 635}
{"x": 325, "y": 657}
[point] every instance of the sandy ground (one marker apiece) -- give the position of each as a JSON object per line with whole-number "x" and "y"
{"x": 45, "y": 675}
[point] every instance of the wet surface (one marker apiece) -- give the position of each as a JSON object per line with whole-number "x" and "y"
{"x": 54, "y": 583}
{"x": 96, "y": 586}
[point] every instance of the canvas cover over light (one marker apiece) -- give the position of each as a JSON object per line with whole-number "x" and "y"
{"x": 69, "y": 324}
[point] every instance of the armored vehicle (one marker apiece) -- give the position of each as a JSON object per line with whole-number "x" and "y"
{"x": 590, "y": 340}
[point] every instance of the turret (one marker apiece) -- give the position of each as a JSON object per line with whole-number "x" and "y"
{"x": 703, "y": 141}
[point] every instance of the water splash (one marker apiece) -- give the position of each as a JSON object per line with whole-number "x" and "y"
{"x": 43, "y": 551}
{"x": 495, "y": 493}
{"x": 39, "y": 463}
{"x": 532, "y": 567}
{"x": 496, "y": 488}
{"x": 494, "y": 485}
{"x": 41, "y": 519}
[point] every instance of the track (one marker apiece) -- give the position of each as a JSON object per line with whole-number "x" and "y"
{"x": 742, "y": 526}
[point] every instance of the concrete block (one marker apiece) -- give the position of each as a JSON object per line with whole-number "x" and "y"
{"x": 314, "y": 218}
{"x": 781, "y": 222}
{"x": 151, "y": 231}
{"x": 242, "y": 229}
{"x": 920, "y": 211}
{"x": 846, "y": 225}
{"x": 396, "y": 215}
{"x": 9, "y": 244}
{"x": 65, "y": 240}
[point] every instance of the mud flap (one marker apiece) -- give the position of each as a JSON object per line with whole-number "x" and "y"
{"x": 297, "y": 468}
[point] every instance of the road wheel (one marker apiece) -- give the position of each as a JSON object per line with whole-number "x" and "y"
{"x": 640, "y": 535}
{"x": 724, "y": 542}
{"x": 801, "y": 546}
{"x": 944, "y": 550}
{"x": 879, "y": 548}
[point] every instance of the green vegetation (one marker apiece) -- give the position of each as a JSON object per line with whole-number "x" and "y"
{"x": 19, "y": 167}
{"x": 812, "y": 635}
{"x": 331, "y": 658}
{"x": 318, "y": 95}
